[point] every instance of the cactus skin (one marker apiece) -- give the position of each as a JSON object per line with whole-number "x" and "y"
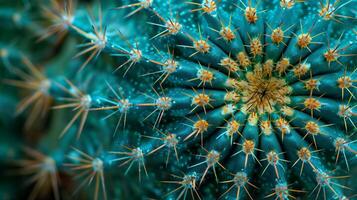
{"x": 243, "y": 100}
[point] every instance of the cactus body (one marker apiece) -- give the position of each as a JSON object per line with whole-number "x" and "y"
{"x": 180, "y": 99}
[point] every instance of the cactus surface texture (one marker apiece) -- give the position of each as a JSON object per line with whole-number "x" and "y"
{"x": 178, "y": 99}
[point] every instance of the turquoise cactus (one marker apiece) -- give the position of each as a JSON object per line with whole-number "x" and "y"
{"x": 160, "y": 99}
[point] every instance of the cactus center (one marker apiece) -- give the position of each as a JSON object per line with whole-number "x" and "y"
{"x": 261, "y": 92}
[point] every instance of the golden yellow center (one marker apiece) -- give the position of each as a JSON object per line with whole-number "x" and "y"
{"x": 260, "y": 92}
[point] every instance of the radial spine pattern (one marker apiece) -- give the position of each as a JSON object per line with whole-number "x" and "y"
{"x": 175, "y": 99}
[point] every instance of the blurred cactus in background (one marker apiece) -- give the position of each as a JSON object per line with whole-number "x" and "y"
{"x": 178, "y": 99}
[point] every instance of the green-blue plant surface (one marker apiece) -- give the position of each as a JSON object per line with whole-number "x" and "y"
{"x": 178, "y": 99}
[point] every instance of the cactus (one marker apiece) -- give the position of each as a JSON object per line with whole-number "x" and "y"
{"x": 161, "y": 99}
